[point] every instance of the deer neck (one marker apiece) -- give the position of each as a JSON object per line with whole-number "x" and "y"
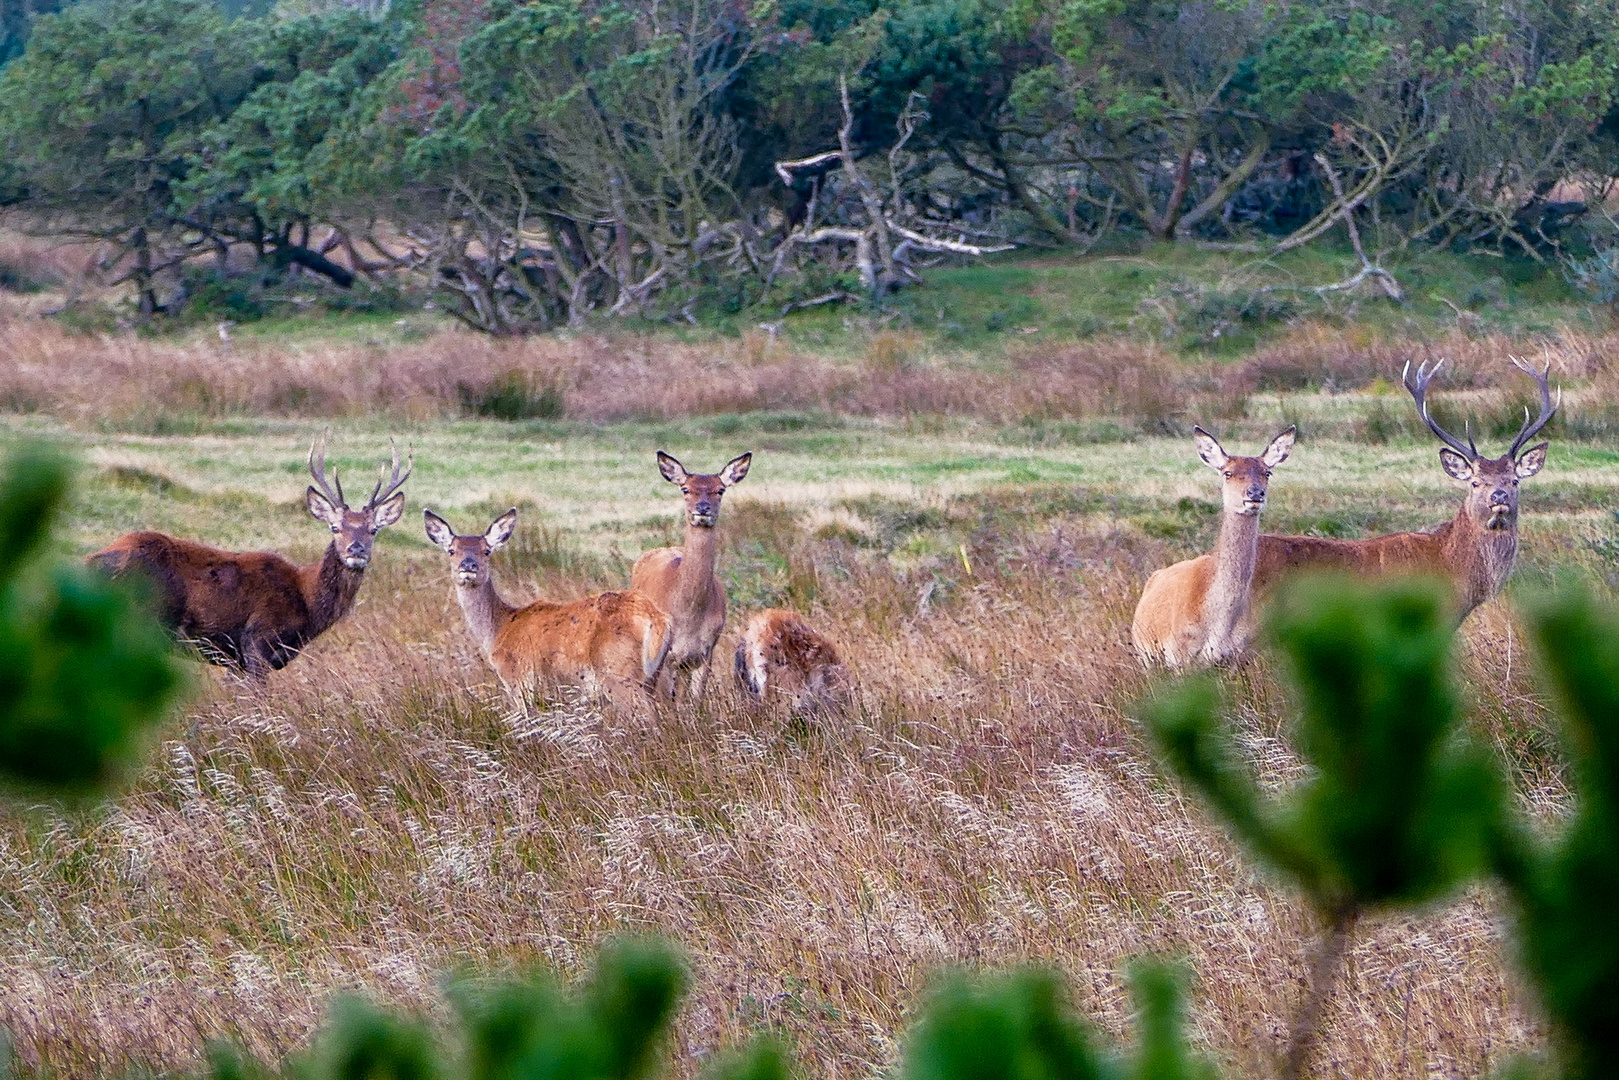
{"x": 695, "y": 585}
{"x": 1235, "y": 555}
{"x": 1477, "y": 558}
{"x": 486, "y": 613}
{"x": 329, "y": 588}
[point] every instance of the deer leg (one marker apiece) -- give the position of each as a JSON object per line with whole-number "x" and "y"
{"x": 699, "y": 678}
{"x": 256, "y": 661}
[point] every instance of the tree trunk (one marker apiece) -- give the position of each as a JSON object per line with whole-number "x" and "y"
{"x": 142, "y": 274}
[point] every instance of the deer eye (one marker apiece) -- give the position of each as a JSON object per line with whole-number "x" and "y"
{"x": 1227, "y": 473}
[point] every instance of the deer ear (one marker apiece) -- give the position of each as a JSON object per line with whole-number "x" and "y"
{"x": 1531, "y": 460}
{"x": 1455, "y": 464}
{"x": 389, "y": 511}
{"x": 1279, "y": 448}
{"x": 736, "y": 469}
{"x": 322, "y": 509}
{"x": 1209, "y": 449}
{"x": 501, "y": 530}
{"x": 672, "y": 470}
{"x": 438, "y": 531}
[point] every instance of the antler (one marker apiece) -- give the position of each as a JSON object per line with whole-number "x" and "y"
{"x": 317, "y": 469}
{"x": 1419, "y": 394}
{"x": 393, "y": 482}
{"x": 1531, "y": 428}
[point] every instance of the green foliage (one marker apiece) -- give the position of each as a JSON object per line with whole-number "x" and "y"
{"x": 1021, "y": 1027}
{"x": 1398, "y": 807}
{"x": 102, "y": 113}
{"x": 608, "y": 1029}
{"x": 1562, "y": 884}
{"x": 83, "y": 671}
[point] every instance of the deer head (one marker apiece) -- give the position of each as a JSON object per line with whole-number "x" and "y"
{"x": 1245, "y": 477}
{"x": 470, "y": 555}
{"x": 1492, "y": 497}
{"x": 354, "y": 531}
{"x": 703, "y": 492}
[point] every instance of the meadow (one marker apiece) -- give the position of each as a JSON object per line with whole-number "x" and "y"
{"x": 973, "y": 530}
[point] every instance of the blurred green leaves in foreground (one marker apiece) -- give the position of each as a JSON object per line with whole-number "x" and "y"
{"x": 1400, "y": 807}
{"x": 83, "y": 670}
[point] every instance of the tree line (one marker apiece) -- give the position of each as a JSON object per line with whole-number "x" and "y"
{"x": 542, "y": 162}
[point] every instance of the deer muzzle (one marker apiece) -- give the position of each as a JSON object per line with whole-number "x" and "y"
{"x": 356, "y": 556}
{"x": 1501, "y": 510}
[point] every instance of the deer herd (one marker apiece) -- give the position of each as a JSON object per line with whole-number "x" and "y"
{"x": 254, "y": 612}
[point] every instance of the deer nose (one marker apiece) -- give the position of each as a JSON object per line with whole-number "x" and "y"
{"x": 468, "y": 566}
{"x": 1256, "y": 495}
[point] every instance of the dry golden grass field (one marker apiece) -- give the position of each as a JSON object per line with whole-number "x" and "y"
{"x": 973, "y": 536}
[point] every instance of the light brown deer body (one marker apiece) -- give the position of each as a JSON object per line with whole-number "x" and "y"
{"x": 610, "y": 641}
{"x": 779, "y": 653}
{"x": 1196, "y": 610}
{"x": 1473, "y": 551}
{"x": 683, "y": 580}
{"x": 255, "y": 611}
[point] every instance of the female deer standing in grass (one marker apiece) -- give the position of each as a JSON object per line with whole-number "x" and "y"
{"x": 1194, "y": 611}
{"x": 682, "y": 580}
{"x": 610, "y": 641}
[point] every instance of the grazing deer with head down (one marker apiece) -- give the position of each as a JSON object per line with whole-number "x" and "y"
{"x": 682, "y": 580}
{"x": 779, "y": 653}
{"x": 1474, "y": 550}
{"x": 255, "y": 611}
{"x": 608, "y": 641}
{"x": 1196, "y": 610}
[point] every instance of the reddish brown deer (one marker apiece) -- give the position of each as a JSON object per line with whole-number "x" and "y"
{"x": 1195, "y": 612}
{"x": 1473, "y": 551}
{"x": 255, "y": 611}
{"x": 682, "y": 580}
{"x": 780, "y": 654}
{"x": 608, "y": 642}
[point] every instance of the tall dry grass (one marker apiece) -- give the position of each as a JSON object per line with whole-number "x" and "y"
{"x": 372, "y": 819}
{"x": 133, "y": 381}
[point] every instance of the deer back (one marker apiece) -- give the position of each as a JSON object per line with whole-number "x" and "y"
{"x": 615, "y": 635}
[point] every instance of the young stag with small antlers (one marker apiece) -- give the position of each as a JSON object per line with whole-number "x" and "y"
{"x": 609, "y": 641}
{"x": 1195, "y": 612}
{"x": 1474, "y": 550}
{"x": 255, "y": 611}
{"x": 682, "y": 580}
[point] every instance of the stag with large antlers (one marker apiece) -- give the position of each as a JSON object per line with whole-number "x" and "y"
{"x": 1474, "y": 550}
{"x": 254, "y": 611}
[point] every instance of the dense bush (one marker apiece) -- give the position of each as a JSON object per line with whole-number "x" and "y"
{"x": 657, "y": 161}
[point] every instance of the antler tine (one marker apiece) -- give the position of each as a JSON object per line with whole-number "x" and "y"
{"x": 317, "y": 469}
{"x": 394, "y": 481}
{"x": 1547, "y": 410}
{"x": 1419, "y": 393}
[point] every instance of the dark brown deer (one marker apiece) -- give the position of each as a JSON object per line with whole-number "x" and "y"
{"x": 254, "y": 611}
{"x": 1473, "y": 551}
